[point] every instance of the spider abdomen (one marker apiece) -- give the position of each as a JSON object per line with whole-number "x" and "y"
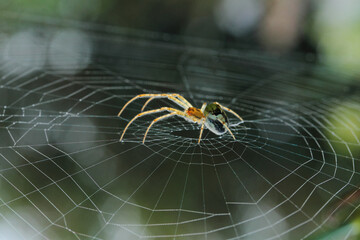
{"x": 215, "y": 126}
{"x": 216, "y": 118}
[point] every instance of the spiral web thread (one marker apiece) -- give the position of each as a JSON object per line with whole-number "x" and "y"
{"x": 64, "y": 173}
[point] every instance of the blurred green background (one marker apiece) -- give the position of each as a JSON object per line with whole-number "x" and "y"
{"x": 313, "y": 45}
{"x": 327, "y": 29}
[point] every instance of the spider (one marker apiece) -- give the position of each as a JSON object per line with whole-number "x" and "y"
{"x": 210, "y": 115}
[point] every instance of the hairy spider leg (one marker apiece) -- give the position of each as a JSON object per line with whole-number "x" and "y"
{"x": 227, "y": 128}
{"x": 231, "y": 111}
{"x": 153, "y": 95}
{"x": 201, "y": 131}
{"x": 147, "y": 102}
{"x": 203, "y": 107}
{"x": 173, "y": 94}
{"x": 158, "y": 119}
{"x": 149, "y": 112}
{"x": 183, "y": 99}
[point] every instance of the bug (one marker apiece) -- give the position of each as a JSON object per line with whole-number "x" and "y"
{"x": 211, "y": 115}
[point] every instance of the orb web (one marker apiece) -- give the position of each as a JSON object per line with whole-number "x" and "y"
{"x": 64, "y": 172}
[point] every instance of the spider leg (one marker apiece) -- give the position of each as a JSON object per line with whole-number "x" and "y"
{"x": 158, "y": 119}
{"x": 201, "y": 131}
{"x": 162, "y": 95}
{"x": 231, "y": 111}
{"x": 203, "y": 107}
{"x": 183, "y": 99}
{"x": 150, "y": 112}
{"x": 227, "y": 128}
{"x": 147, "y": 102}
{"x": 185, "y": 105}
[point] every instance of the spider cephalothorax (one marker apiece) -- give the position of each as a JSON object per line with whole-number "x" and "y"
{"x": 210, "y": 115}
{"x": 195, "y": 112}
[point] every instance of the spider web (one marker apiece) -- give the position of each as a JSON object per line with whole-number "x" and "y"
{"x": 65, "y": 175}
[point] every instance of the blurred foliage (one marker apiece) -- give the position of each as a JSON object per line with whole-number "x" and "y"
{"x": 344, "y": 120}
{"x": 319, "y": 30}
{"x": 257, "y": 23}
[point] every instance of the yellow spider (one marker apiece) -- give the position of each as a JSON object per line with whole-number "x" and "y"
{"x": 211, "y": 115}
